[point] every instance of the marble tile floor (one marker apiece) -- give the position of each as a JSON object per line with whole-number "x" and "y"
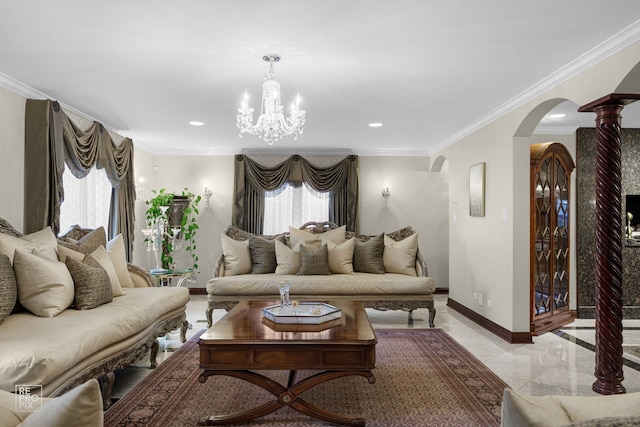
{"x": 560, "y": 362}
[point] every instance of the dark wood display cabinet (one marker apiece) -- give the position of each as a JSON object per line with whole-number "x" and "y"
{"x": 551, "y": 168}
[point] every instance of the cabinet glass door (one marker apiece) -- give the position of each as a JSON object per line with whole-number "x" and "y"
{"x": 551, "y": 168}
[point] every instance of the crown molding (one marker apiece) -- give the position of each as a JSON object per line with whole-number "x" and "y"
{"x": 280, "y": 152}
{"x": 612, "y": 45}
{"x": 19, "y": 88}
{"x": 392, "y": 153}
{"x": 28, "y": 92}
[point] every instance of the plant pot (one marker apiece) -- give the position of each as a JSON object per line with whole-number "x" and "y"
{"x": 176, "y": 210}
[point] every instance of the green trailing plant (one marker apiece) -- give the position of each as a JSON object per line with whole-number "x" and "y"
{"x": 188, "y": 222}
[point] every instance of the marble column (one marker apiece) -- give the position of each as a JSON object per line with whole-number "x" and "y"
{"x": 609, "y": 237}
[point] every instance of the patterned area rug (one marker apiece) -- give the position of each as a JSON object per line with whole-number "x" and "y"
{"x": 423, "y": 378}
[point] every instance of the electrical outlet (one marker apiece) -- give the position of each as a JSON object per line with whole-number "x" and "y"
{"x": 489, "y": 303}
{"x": 479, "y": 299}
{"x": 475, "y": 296}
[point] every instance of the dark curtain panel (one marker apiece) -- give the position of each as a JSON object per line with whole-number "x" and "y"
{"x": 51, "y": 140}
{"x": 252, "y": 180}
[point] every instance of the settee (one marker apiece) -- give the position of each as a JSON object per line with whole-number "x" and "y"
{"x": 385, "y": 272}
{"x": 58, "y": 343}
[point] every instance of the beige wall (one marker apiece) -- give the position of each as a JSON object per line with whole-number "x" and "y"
{"x": 193, "y": 172}
{"x": 487, "y": 254}
{"x": 12, "y": 108}
{"x": 417, "y": 199}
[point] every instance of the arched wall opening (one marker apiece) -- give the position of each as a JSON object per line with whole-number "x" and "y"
{"x": 525, "y": 136}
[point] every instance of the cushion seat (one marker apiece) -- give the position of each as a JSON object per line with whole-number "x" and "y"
{"x": 37, "y": 350}
{"x": 342, "y": 284}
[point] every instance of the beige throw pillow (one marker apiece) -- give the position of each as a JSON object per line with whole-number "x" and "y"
{"x": 102, "y": 256}
{"x": 118, "y": 255}
{"x": 288, "y": 258}
{"x": 79, "y": 407}
{"x": 237, "y": 257}
{"x": 400, "y": 256}
{"x": 44, "y": 240}
{"x": 45, "y": 287}
{"x": 341, "y": 256}
{"x": 64, "y": 253}
{"x": 337, "y": 235}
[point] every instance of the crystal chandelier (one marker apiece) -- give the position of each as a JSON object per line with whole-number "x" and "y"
{"x": 271, "y": 125}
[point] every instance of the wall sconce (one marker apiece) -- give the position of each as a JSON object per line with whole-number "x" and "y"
{"x": 207, "y": 195}
{"x": 386, "y": 194}
{"x": 140, "y": 189}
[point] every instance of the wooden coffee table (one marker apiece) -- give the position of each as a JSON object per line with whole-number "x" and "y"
{"x": 243, "y": 341}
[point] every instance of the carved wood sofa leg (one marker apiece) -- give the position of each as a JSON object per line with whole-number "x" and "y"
{"x": 183, "y": 331}
{"x": 153, "y": 354}
{"x": 410, "y": 321}
{"x": 106, "y": 388}
{"x": 432, "y": 314}
{"x": 209, "y": 314}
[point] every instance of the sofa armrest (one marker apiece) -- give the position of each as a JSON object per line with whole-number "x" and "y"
{"x": 421, "y": 265}
{"x": 140, "y": 277}
{"x": 218, "y": 267}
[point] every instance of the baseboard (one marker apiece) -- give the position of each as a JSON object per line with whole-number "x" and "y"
{"x": 494, "y": 328}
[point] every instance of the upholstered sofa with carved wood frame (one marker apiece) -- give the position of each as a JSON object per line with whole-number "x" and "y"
{"x": 376, "y": 291}
{"x": 81, "y": 350}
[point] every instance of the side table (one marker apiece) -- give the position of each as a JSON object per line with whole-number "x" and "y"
{"x": 184, "y": 277}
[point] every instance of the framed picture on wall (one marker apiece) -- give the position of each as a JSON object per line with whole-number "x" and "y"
{"x": 476, "y": 189}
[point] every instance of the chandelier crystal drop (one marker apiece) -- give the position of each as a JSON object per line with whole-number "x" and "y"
{"x": 271, "y": 125}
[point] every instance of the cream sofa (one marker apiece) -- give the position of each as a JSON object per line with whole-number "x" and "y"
{"x": 387, "y": 291}
{"x": 521, "y": 410}
{"x": 65, "y": 350}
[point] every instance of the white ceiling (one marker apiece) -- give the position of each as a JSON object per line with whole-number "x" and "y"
{"x": 431, "y": 71}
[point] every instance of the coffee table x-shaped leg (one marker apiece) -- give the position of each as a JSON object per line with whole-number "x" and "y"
{"x": 285, "y": 396}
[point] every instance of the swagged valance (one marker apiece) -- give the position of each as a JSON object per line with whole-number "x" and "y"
{"x": 253, "y": 179}
{"x": 51, "y": 140}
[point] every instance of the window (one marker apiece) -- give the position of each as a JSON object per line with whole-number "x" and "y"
{"x": 86, "y": 201}
{"x": 293, "y": 206}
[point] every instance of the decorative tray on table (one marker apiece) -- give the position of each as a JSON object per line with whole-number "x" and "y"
{"x": 304, "y": 313}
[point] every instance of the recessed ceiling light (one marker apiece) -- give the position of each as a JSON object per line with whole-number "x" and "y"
{"x": 557, "y": 116}
{"x": 196, "y": 123}
{"x": 375, "y": 125}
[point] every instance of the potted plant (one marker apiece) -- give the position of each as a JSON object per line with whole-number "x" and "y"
{"x": 181, "y": 211}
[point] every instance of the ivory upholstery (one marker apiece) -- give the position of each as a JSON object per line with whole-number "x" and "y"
{"x": 50, "y": 351}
